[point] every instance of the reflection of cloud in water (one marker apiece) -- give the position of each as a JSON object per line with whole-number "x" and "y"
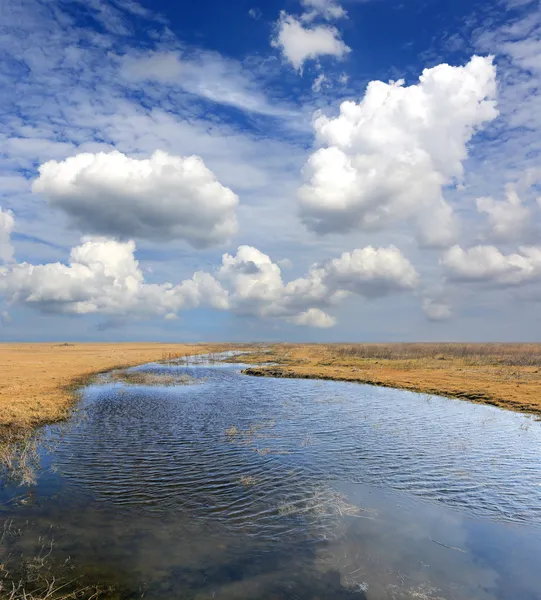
{"x": 254, "y": 488}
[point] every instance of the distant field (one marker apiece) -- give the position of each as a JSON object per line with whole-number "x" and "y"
{"x": 505, "y": 375}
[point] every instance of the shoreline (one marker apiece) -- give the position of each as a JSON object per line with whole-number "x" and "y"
{"x": 39, "y": 383}
{"x": 494, "y": 375}
{"x": 474, "y": 397}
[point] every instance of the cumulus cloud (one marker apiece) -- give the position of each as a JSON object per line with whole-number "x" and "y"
{"x": 486, "y": 264}
{"x": 161, "y": 198}
{"x": 370, "y": 272}
{"x": 388, "y": 157}
{"x": 299, "y": 43}
{"x": 314, "y": 317}
{"x": 258, "y": 288}
{"x": 508, "y": 219}
{"x": 327, "y": 9}
{"x": 7, "y": 223}
{"x": 104, "y": 277}
{"x": 436, "y": 310}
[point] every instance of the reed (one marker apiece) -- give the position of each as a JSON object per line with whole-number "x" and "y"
{"x": 36, "y": 577}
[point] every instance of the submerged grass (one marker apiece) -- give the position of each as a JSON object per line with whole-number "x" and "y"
{"x": 152, "y": 379}
{"x": 19, "y": 458}
{"x": 36, "y": 577}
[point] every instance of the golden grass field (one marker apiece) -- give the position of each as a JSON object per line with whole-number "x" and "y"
{"x": 504, "y": 375}
{"x": 37, "y": 381}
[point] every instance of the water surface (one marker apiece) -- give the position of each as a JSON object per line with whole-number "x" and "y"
{"x": 248, "y": 488}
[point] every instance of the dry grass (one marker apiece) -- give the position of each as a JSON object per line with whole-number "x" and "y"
{"x": 152, "y": 379}
{"x": 19, "y": 458}
{"x": 37, "y": 381}
{"x": 35, "y": 577}
{"x": 505, "y": 375}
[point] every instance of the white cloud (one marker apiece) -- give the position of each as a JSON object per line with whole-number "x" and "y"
{"x": 508, "y": 219}
{"x": 164, "y": 67}
{"x": 388, "y": 157}
{"x": 285, "y": 263}
{"x": 299, "y": 43}
{"x": 161, "y": 198}
{"x": 486, "y": 264}
{"x": 314, "y": 317}
{"x": 104, "y": 277}
{"x": 7, "y": 223}
{"x": 205, "y": 74}
{"x": 258, "y": 289}
{"x": 327, "y": 9}
{"x": 318, "y": 82}
{"x": 516, "y": 141}
{"x": 370, "y": 272}
{"x": 255, "y": 13}
{"x": 436, "y": 310}
{"x": 255, "y": 278}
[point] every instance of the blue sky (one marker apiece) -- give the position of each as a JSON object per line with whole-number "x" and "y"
{"x": 291, "y": 170}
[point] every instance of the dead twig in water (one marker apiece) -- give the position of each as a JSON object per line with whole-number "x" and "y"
{"x": 450, "y": 547}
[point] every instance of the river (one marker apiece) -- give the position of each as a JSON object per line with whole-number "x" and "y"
{"x": 237, "y": 487}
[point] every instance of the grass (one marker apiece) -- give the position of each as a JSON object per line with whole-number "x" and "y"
{"x": 152, "y": 379}
{"x": 38, "y": 381}
{"x": 39, "y": 385}
{"x": 35, "y": 577}
{"x": 19, "y": 457}
{"x": 504, "y": 375}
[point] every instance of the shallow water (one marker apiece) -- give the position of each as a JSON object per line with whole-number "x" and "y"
{"x": 241, "y": 487}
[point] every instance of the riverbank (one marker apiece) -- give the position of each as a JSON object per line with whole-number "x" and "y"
{"x": 503, "y": 375}
{"x": 38, "y": 382}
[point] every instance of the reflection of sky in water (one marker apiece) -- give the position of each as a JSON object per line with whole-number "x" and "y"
{"x": 258, "y": 488}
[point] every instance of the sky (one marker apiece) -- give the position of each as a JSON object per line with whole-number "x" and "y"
{"x": 288, "y": 170}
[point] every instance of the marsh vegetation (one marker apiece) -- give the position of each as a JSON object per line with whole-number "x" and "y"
{"x": 37, "y": 576}
{"x": 152, "y": 379}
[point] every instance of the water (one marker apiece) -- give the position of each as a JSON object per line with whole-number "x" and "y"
{"x": 249, "y": 488}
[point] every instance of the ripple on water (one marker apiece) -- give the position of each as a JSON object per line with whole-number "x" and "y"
{"x": 192, "y": 445}
{"x": 244, "y": 488}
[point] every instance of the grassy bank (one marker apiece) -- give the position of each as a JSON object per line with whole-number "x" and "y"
{"x": 504, "y": 375}
{"x": 38, "y": 381}
{"x": 39, "y": 384}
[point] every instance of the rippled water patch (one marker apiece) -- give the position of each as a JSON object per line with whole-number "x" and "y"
{"x": 242, "y": 487}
